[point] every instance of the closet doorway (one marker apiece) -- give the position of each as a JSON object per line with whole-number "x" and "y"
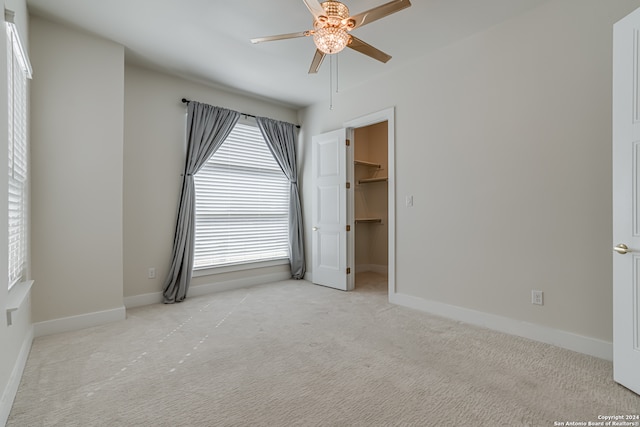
{"x": 371, "y": 204}
{"x": 371, "y": 200}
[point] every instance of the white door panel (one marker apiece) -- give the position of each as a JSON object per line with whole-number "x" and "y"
{"x": 329, "y": 235}
{"x": 626, "y": 202}
{"x": 328, "y": 199}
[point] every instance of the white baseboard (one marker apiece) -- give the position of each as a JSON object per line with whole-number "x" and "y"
{"x": 14, "y": 380}
{"x": 245, "y": 282}
{"x": 195, "y": 291}
{"x": 559, "y": 338}
{"x": 143, "y": 299}
{"x": 74, "y": 323}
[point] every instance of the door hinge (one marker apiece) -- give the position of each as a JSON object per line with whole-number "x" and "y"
{"x": 348, "y": 227}
{"x": 348, "y": 142}
{"x": 348, "y": 185}
{"x": 348, "y": 270}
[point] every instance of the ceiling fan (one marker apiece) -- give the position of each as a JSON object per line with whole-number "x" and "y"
{"x": 332, "y": 25}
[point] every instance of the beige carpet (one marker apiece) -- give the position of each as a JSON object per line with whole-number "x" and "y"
{"x": 295, "y": 354}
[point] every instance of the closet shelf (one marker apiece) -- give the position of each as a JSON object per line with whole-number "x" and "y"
{"x": 369, "y": 164}
{"x": 363, "y": 220}
{"x": 376, "y": 179}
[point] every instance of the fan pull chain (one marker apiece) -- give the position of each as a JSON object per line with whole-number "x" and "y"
{"x": 337, "y": 72}
{"x": 333, "y": 70}
{"x": 330, "y": 82}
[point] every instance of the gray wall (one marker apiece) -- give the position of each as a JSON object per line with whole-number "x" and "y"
{"x": 77, "y": 104}
{"x": 504, "y": 140}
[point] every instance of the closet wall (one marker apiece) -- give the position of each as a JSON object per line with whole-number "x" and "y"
{"x": 370, "y": 198}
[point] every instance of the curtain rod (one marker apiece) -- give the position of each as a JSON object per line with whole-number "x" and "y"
{"x": 187, "y": 101}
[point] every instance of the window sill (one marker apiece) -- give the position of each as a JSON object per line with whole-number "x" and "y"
{"x": 238, "y": 267}
{"x": 17, "y": 295}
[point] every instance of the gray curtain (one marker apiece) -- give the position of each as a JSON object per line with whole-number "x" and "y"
{"x": 207, "y": 128}
{"x": 281, "y": 139}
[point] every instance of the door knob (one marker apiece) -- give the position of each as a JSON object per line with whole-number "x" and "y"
{"x": 621, "y": 249}
{"x": 315, "y": 228}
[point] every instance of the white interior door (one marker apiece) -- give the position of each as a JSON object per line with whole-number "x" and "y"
{"x": 329, "y": 219}
{"x": 626, "y": 202}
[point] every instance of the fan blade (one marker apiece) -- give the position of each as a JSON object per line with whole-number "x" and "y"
{"x": 376, "y": 13}
{"x": 317, "y": 61}
{"x": 281, "y": 37}
{"x": 367, "y": 49}
{"x": 315, "y": 8}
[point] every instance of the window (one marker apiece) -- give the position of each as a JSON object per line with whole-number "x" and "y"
{"x": 18, "y": 70}
{"x": 242, "y": 203}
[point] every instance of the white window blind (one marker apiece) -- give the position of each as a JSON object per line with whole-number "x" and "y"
{"x": 18, "y": 70}
{"x": 242, "y": 203}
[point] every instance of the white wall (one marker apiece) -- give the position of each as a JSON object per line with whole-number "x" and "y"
{"x": 15, "y": 340}
{"x": 77, "y": 103}
{"x": 504, "y": 140}
{"x": 154, "y": 156}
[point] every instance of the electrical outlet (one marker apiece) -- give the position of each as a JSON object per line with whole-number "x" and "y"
{"x": 151, "y": 274}
{"x": 537, "y": 297}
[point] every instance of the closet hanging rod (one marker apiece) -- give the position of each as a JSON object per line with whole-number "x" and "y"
{"x": 187, "y": 101}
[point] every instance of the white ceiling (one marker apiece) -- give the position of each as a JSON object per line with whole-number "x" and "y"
{"x": 208, "y": 40}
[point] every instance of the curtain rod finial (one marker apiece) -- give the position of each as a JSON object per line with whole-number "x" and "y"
{"x": 185, "y": 101}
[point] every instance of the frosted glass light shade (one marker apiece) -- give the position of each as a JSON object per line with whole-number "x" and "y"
{"x": 330, "y": 39}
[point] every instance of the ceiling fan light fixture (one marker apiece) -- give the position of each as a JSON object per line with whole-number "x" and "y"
{"x": 331, "y": 40}
{"x": 332, "y": 25}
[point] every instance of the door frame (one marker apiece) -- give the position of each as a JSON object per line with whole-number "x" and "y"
{"x": 387, "y": 115}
